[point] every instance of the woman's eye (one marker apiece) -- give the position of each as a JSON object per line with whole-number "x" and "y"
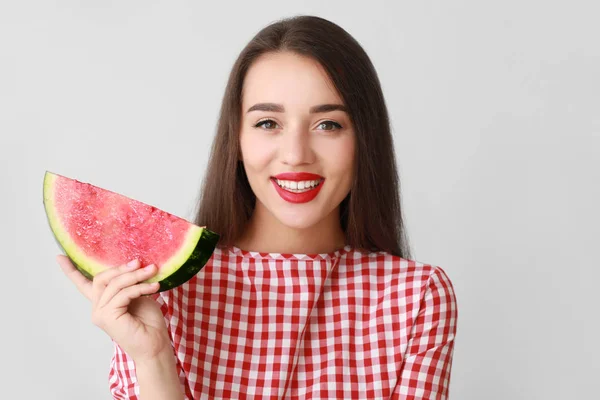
{"x": 267, "y": 124}
{"x": 329, "y": 126}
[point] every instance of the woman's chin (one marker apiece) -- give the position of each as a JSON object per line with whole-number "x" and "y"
{"x": 297, "y": 220}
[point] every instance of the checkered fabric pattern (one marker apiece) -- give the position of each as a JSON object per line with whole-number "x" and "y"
{"x": 344, "y": 325}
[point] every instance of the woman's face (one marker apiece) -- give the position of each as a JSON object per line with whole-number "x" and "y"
{"x": 296, "y": 139}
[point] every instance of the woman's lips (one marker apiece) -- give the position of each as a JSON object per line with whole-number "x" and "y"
{"x": 298, "y": 187}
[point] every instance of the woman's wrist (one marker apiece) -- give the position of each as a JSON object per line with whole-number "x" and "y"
{"x": 158, "y": 378}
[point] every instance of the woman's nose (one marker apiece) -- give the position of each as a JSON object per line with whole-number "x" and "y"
{"x": 295, "y": 147}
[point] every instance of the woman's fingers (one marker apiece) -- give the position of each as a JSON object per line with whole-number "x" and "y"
{"x": 123, "y": 281}
{"x": 103, "y": 278}
{"x": 119, "y": 285}
{"x": 81, "y": 282}
{"x": 125, "y": 296}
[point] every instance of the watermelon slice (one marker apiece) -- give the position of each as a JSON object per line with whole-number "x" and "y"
{"x": 99, "y": 229}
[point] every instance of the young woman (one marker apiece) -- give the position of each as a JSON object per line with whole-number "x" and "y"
{"x": 311, "y": 292}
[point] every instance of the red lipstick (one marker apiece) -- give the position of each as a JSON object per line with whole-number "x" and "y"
{"x": 298, "y": 197}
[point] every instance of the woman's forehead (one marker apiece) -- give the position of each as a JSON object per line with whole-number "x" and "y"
{"x": 288, "y": 79}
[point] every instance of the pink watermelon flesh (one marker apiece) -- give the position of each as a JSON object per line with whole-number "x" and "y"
{"x": 114, "y": 229}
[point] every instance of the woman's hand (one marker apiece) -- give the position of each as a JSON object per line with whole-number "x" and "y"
{"x": 118, "y": 308}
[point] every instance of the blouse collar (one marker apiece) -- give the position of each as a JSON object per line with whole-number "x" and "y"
{"x": 288, "y": 256}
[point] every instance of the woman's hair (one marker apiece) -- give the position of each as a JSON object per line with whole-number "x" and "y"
{"x": 371, "y": 214}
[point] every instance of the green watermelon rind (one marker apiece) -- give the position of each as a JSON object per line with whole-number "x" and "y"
{"x": 197, "y": 249}
{"x": 197, "y": 260}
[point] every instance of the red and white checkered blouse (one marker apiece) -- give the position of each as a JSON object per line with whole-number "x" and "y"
{"x": 344, "y": 325}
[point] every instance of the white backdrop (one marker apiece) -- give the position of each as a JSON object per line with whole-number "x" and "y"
{"x": 496, "y": 116}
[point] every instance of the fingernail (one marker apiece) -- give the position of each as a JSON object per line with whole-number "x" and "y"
{"x": 150, "y": 267}
{"x": 132, "y": 263}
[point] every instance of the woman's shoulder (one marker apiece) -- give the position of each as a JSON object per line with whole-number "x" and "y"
{"x": 405, "y": 275}
{"x": 427, "y": 285}
{"x": 385, "y": 261}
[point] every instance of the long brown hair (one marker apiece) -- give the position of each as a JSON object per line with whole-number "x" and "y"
{"x": 371, "y": 214}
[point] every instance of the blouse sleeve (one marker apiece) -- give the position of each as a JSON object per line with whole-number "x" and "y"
{"x": 425, "y": 372}
{"x": 122, "y": 379}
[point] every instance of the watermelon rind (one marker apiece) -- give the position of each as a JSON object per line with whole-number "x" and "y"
{"x": 199, "y": 257}
{"x": 192, "y": 255}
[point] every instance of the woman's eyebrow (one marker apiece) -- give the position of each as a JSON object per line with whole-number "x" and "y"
{"x": 271, "y": 107}
{"x": 328, "y": 107}
{"x": 322, "y": 108}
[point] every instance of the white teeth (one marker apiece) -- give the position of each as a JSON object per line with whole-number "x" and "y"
{"x": 297, "y": 185}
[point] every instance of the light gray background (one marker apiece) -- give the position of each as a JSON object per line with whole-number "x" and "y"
{"x": 496, "y": 115}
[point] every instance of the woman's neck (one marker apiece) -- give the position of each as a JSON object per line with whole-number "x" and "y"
{"x": 265, "y": 233}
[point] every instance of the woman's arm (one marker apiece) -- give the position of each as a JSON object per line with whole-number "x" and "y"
{"x": 158, "y": 378}
{"x": 427, "y": 362}
{"x": 134, "y": 315}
